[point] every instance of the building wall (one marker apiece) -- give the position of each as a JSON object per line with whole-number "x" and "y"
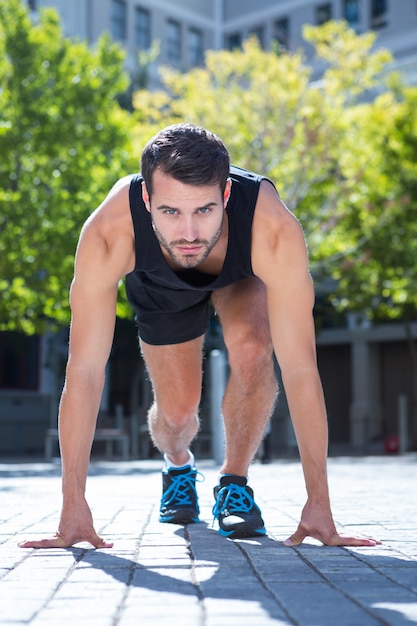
{"x": 380, "y": 372}
{"x": 88, "y": 19}
{"x": 397, "y": 29}
{"x": 220, "y": 21}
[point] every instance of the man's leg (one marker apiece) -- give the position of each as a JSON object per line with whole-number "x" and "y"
{"x": 252, "y": 387}
{"x": 248, "y": 402}
{"x": 176, "y": 373}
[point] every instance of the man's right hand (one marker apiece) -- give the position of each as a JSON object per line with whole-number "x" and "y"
{"x": 76, "y": 525}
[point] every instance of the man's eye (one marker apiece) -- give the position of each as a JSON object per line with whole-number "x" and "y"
{"x": 205, "y": 209}
{"x": 170, "y": 212}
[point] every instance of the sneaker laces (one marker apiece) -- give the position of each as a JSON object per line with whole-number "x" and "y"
{"x": 181, "y": 489}
{"x": 237, "y": 500}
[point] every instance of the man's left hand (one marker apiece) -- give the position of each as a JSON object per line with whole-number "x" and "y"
{"x": 317, "y": 522}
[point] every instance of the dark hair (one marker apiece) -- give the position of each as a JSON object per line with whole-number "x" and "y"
{"x": 188, "y": 153}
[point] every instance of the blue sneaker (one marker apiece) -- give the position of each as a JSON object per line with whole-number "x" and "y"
{"x": 235, "y": 509}
{"x": 179, "y": 502}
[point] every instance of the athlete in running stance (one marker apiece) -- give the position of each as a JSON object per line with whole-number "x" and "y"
{"x": 189, "y": 229}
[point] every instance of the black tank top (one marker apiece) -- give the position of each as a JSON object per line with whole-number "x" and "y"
{"x": 151, "y": 267}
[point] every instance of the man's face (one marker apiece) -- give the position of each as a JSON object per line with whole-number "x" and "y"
{"x": 187, "y": 219}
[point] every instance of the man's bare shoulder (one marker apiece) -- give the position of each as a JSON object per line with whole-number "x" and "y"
{"x": 273, "y": 222}
{"x": 107, "y": 237}
{"x": 279, "y": 251}
{"x": 114, "y": 210}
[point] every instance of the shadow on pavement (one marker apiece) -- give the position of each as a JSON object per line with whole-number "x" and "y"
{"x": 304, "y": 585}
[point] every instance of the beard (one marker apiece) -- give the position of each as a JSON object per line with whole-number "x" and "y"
{"x": 192, "y": 260}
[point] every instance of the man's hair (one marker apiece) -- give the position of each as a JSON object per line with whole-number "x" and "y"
{"x": 190, "y": 154}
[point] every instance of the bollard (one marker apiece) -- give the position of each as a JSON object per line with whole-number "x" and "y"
{"x": 120, "y": 424}
{"x": 119, "y": 417}
{"x": 217, "y": 361}
{"x": 403, "y": 423}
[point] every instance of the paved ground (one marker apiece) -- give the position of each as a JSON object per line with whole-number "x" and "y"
{"x": 167, "y": 575}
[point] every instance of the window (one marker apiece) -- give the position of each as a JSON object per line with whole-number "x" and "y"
{"x": 118, "y": 19}
{"x": 282, "y": 33}
{"x": 323, "y": 13}
{"x": 379, "y": 11}
{"x": 234, "y": 41}
{"x": 351, "y": 13}
{"x": 173, "y": 41}
{"x": 195, "y": 47}
{"x": 142, "y": 29}
{"x": 32, "y": 5}
{"x": 259, "y": 34}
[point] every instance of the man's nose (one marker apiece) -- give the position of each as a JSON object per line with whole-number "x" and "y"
{"x": 190, "y": 229}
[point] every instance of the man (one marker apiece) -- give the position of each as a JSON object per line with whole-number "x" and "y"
{"x": 188, "y": 230}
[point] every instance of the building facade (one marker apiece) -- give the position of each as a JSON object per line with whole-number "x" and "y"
{"x": 187, "y": 28}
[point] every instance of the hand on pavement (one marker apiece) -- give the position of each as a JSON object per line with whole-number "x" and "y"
{"x": 76, "y": 525}
{"x": 317, "y": 522}
{"x": 59, "y": 541}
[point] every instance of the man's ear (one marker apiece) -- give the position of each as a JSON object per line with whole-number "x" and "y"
{"x": 227, "y": 191}
{"x": 145, "y": 197}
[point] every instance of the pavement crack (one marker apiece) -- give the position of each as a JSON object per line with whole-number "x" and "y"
{"x": 133, "y": 568}
{"x": 79, "y": 555}
{"x": 264, "y": 585}
{"x": 194, "y": 577}
{"x": 77, "y": 559}
{"x": 12, "y": 567}
{"x": 344, "y": 593}
{"x": 384, "y": 573}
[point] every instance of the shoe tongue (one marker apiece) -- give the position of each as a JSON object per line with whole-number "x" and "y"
{"x": 228, "y": 479}
{"x": 180, "y": 470}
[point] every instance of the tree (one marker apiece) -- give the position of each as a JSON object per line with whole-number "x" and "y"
{"x": 320, "y": 142}
{"x": 385, "y": 225}
{"x": 306, "y": 137}
{"x": 64, "y": 141}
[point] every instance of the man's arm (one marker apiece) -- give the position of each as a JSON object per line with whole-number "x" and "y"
{"x": 280, "y": 260}
{"x": 104, "y": 256}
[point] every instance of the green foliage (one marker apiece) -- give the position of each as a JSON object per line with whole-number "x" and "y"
{"x": 259, "y": 103}
{"x": 379, "y": 275}
{"x": 370, "y": 248}
{"x": 64, "y": 141}
{"x": 342, "y": 151}
{"x": 352, "y": 69}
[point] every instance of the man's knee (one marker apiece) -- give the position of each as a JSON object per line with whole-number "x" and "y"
{"x": 177, "y": 415}
{"x": 251, "y": 356}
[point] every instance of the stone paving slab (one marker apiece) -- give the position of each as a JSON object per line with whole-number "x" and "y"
{"x": 166, "y": 575}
